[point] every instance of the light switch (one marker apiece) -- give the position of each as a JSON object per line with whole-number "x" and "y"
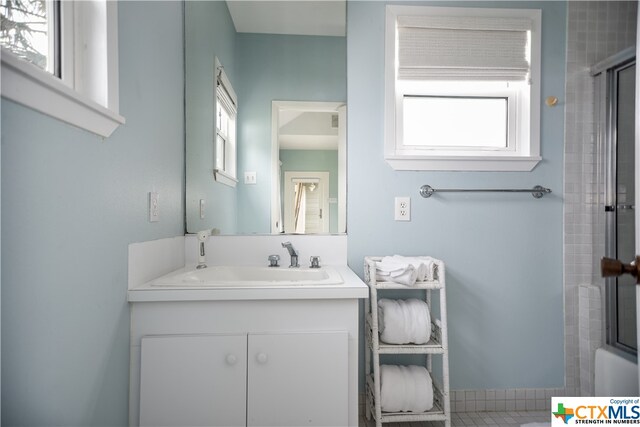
{"x": 249, "y": 177}
{"x": 154, "y": 207}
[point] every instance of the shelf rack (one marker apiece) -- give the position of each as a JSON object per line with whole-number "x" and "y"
{"x": 437, "y": 346}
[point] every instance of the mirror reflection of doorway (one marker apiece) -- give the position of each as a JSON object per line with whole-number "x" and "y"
{"x": 309, "y": 136}
{"x": 306, "y": 202}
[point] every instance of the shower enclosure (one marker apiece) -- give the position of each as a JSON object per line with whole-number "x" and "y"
{"x": 615, "y": 104}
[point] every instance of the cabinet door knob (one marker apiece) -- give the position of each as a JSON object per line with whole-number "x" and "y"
{"x": 231, "y": 359}
{"x": 262, "y": 358}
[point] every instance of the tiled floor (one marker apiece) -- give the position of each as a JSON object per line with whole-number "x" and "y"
{"x": 496, "y": 419}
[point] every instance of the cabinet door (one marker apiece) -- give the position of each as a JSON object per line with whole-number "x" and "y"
{"x": 195, "y": 380}
{"x": 298, "y": 379}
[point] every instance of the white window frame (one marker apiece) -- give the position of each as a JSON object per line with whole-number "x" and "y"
{"x": 87, "y": 95}
{"x": 523, "y": 151}
{"x": 469, "y": 90}
{"x": 227, "y": 175}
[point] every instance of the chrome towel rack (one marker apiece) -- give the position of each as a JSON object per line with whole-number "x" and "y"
{"x": 538, "y": 191}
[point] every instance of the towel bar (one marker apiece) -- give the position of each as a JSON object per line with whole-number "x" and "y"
{"x": 538, "y": 191}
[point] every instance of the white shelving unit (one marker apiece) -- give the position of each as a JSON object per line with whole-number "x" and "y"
{"x": 437, "y": 346}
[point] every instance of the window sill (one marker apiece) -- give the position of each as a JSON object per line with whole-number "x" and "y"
{"x": 464, "y": 163}
{"x": 224, "y": 178}
{"x": 32, "y": 87}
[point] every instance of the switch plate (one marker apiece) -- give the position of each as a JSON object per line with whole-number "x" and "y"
{"x": 201, "y": 208}
{"x": 250, "y": 178}
{"x": 403, "y": 209}
{"x": 154, "y": 207}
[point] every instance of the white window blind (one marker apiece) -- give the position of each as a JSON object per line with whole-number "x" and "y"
{"x": 463, "y": 48}
{"x": 225, "y": 93}
{"x": 225, "y": 138}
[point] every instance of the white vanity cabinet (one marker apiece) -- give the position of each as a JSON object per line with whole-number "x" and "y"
{"x": 288, "y": 379}
{"x": 244, "y": 363}
{"x": 197, "y": 380}
{"x": 297, "y": 379}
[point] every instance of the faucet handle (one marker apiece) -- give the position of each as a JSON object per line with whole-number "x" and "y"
{"x": 315, "y": 262}
{"x": 273, "y": 260}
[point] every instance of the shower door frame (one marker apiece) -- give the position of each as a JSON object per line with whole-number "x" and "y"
{"x": 606, "y": 85}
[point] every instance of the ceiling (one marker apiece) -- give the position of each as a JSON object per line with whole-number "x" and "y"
{"x": 302, "y": 17}
{"x": 307, "y": 130}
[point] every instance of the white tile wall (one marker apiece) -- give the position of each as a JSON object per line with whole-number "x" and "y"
{"x": 590, "y": 333}
{"x": 148, "y": 260}
{"x": 513, "y": 399}
{"x": 484, "y": 419}
{"x": 596, "y": 30}
{"x": 502, "y": 400}
{"x": 254, "y": 249}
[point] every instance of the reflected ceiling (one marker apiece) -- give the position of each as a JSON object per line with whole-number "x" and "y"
{"x": 311, "y": 18}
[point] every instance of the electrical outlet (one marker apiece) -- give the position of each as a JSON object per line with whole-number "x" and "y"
{"x": 403, "y": 209}
{"x": 154, "y": 207}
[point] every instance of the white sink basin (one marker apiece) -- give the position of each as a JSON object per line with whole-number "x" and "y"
{"x": 248, "y": 276}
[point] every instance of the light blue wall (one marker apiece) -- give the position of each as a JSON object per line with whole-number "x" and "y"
{"x": 71, "y": 203}
{"x": 209, "y": 33}
{"x": 503, "y": 252}
{"x": 0, "y": 294}
{"x": 277, "y": 68}
{"x": 315, "y": 161}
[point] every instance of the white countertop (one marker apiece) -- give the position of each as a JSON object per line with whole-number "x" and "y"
{"x": 352, "y": 287}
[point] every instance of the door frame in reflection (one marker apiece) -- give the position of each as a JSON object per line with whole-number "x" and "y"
{"x": 321, "y": 180}
{"x": 277, "y": 223}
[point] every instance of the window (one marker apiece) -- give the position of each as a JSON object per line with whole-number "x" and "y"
{"x": 61, "y": 58}
{"x": 226, "y": 112}
{"x": 30, "y": 30}
{"x": 462, "y": 88}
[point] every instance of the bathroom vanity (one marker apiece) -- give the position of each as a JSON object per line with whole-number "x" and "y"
{"x": 278, "y": 354}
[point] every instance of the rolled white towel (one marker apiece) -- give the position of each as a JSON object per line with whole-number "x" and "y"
{"x": 431, "y": 267}
{"x": 404, "y": 321}
{"x": 405, "y": 388}
{"x": 404, "y": 274}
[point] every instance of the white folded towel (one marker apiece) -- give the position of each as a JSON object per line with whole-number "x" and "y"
{"x": 420, "y": 265}
{"x": 424, "y": 264}
{"x": 404, "y": 321}
{"x": 405, "y": 388}
{"x": 391, "y": 267}
{"x": 403, "y": 273}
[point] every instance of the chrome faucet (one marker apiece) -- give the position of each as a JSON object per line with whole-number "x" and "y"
{"x": 315, "y": 262}
{"x": 273, "y": 260}
{"x": 202, "y": 238}
{"x": 293, "y": 253}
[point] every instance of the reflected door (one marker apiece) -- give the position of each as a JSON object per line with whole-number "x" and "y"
{"x": 306, "y": 203}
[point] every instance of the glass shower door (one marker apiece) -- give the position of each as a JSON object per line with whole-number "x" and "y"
{"x": 625, "y": 202}
{"x": 621, "y": 292}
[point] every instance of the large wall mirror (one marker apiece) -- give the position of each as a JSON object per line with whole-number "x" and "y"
{"x": 265, "y": 117}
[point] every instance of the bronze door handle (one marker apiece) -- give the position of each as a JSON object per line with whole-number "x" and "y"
{"x": 613, "y": 268}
